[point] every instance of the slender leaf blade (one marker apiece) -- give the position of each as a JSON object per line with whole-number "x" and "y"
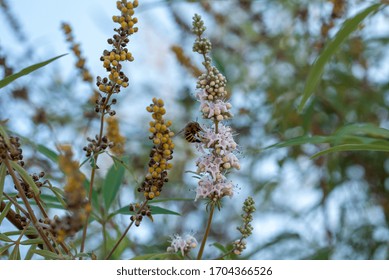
{"x": 49, "y": 153}
{"x": 3, "y": 132}
{"x": 15, "y": 255}
{"x": 47, "y": 254}
{"x": 353, "y": 147}
{"x": 155, "y": 210}
{"x": 5, "y": 248}
{"x": 367, "y": 129}
{"x": 27, "y": 178}
{"x": 5, "y": 211}
{"x": 318, "y": 66}
{"x": 300, "y": 141}
{"x": 5, "y": 238}
{"x": 30, "y": 253}
{"x": 26, "y": 71}
{"x": 32, "y": 241}
{"x": 112, "y": 183}
{"x": 59, "y": 195}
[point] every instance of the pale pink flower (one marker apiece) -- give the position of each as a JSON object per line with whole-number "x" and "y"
{"x": 182, "y": 244}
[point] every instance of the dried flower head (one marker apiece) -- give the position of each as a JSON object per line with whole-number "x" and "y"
{"x": 161, "y": 153}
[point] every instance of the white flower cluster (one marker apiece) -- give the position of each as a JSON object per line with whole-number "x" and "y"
{"x": 217, "y": 145}
{"x": 214, "y": 109}
{"x": 182, "y": 244}
{"x": 217, "y": 158}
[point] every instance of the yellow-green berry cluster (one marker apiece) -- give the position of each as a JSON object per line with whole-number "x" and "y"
{"x": 75, "y": 197}
{"x": 184, "y": 60}
{"x": 75, "y": 47}
{"x": 112, "y": 59}
{"x": 161, "y": 153}
{"x": 246, "y": 229}
{"x": 114, "y": 136}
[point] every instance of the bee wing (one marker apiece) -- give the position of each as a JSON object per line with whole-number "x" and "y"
{"x": 181, "y": 131}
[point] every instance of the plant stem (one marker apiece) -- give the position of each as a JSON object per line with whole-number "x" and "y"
{"x": 208, "y": 229}
{"x": 104, "y": 227}
{"x": 28, "y": 206}
{"x": 125, "y": 232}
{"x": 93, "y": 172}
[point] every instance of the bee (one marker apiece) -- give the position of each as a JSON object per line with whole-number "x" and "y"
{"x": 192, "y": 132}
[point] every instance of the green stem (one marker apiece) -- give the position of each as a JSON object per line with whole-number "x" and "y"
{"x": 208, "y": 229}
{"x": 30, "y": 211}
{"x": 125, "y": 232}
{"x": 92, "y": 178}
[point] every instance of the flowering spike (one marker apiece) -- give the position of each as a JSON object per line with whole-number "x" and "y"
{"x": 218, "y": 146}
{"x": 161, "y": 153}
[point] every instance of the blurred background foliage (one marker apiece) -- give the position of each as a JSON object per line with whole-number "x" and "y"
{"x": 331, "y": 207}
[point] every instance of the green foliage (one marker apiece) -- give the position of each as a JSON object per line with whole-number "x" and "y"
{"x": 9, "y": 79}
{"x": 317, "y": 69}
{"x": 320, "y": 190}
{"x": 356, "y": 137}
{"x": 113, "y": 181}
{"x": 26, "y": 177}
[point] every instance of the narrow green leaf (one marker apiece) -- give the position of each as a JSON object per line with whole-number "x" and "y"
{"x": 4, "y": 133}
{"x": 5, "y": 238}
{"x": 121, "y": 161}
{"x": 15, "y": 255}
{"x": 50, "y": 154}
{"x": 155, "y": 210}
{"x": 321, "y": 254}
{"x": 155, "y": 201}
{"x": 220, "y": 247}
{"x": 29, "y": 231}
{"x": 159, "y": 210}
{"x": 5, "y": 248}
{"x": 366, "y": 129}
{"x": 353, "y": 147}
{"x": 26, "y": 71}
{"x": 2, "y": 179}
{"x": 300, "y": 141}
{"x": 27, "y": 178}
{"x": 112, "y": 183}
{"x": 50, "y": 201}
{"x": 47, "y": 254}
{"x": 30, "y": 253}
{"x": 32, "y": 241}
{"x": 5, "y": 211}
{"x": 318, "y": 66}
{"x": 59, "y": 195}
